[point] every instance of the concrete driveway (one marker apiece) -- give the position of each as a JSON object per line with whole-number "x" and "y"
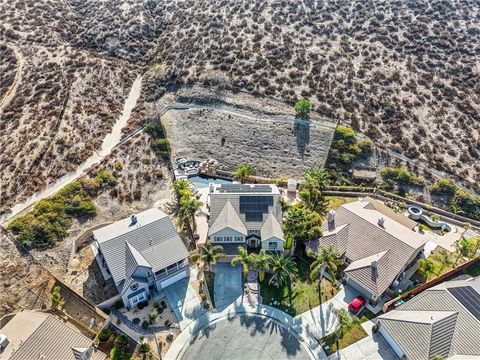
{"x": 184, "y": 300}
{"x": 227, "y": 284}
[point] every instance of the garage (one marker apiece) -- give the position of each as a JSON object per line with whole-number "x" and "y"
{"x": 173, "y": 279}
{"x": 390, "y": 341}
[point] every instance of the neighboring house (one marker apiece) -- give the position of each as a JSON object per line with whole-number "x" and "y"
{"x": 143, "y": 254}
{"x": 245, "y": 215}
{"x": 33, "y": 335}
{"x": 377, "y": 248}
{"x": 441, "y": 321}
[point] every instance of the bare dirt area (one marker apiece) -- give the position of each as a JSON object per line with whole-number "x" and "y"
{"x": 8, "y": 68}
{"x": 236, "y": 128}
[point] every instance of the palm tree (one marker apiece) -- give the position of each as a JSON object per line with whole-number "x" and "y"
{"x": 427, "y": 268}
{"x": 283, "y": 268}
{"x": 463, "y": 248}
{"x": 243, "y": 258}
{"x": 208, "y": 254}
{"x": 445, "y": 260}
{"x": 325, "y": 260}
{"x": 261, "y": 262}
{"x": 186, "y": 213}
{"x": 181, "y": 187}
{"x": 315, "y": 182}
{"x": 242, "y": 172}
{"x": 345, "y": 322}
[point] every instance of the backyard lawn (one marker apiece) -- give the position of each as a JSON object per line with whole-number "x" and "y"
{"x": 304, "y": 291}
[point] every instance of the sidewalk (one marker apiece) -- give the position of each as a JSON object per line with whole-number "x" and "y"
{"x": 303, "y": 334}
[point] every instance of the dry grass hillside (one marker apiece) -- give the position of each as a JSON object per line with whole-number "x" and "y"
{"x": 405, "y": 73}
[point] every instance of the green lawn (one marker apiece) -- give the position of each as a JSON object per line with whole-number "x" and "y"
{"x": 304, "y": 291}
{"x": 350, "y": 336}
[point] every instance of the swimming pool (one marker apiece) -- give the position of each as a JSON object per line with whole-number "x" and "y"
{"x": 202, "y": 181}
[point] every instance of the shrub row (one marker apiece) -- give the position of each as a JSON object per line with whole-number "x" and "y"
{"x": 400, "y": 176}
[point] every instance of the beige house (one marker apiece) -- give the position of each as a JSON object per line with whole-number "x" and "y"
{"x": 376, "y": 244}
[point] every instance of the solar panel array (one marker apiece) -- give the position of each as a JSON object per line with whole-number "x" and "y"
{"x": 255, "y": 206}
{"x": 468, "y": 297}
{"x": 240, "y": 188}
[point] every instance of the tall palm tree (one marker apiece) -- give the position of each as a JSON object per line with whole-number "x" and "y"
{"x": 462, "y": 249}
{"x": 325, "y": 260}
{"x": 242, "y": 172}
{"x": 315, "y": 182}
{"x": 181, "y": 187}
{"x": 345, "y": 322}
{"x": 186, "y": 213}
{"x": 243, "y": 258}
{"x": 261, "y": 262}
{"x": 208, "y": 254}
{"x": 283, "y": 268}
{"x": 427, "y": 268}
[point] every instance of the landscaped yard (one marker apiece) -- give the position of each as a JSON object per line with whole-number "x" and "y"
{"x": 336, "y": 201}
{"x": 348, "y": 337}
{"x": 304, "y": 291}
{"x": 436, "y": 257}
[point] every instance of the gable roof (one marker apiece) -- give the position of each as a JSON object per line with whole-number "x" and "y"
{"x": 435, "y": 322}
{"x": 227, "y": 218}
{"x": 33, "y": 334}
{"x": 355, "y": 231}
{"x": 234, "y": 193}
{"x": 271, "y": 228}
{"x": 389, "y": 212}
{"x": 152, "y": 242}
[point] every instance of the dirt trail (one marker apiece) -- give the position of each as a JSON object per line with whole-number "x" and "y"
{"x": 18, "y": 78}
{"x": 109, "y": 142}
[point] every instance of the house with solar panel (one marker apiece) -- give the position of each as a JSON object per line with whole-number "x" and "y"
{"x": 245, "y": 215}
{"x": 443, "y": 321}
{"x": 143, "y": 254}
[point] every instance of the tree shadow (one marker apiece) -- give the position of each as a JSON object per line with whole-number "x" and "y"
{"x": 301, "y": 130}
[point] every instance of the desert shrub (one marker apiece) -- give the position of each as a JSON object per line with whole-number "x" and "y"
{"x": 105, "y": 177}
{"x": 345, "y": 148}
{"x": 104, "y": 335}
{"x": 444, "y": 186}
{"x": 50, "y": 219}
{"x": 136, "y": 321}
{"x": 145, "y": 324}
{"x": 400, "y": 176}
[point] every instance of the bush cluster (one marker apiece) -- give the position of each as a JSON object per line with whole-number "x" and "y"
{"x": 160, "y": 143}
{"x": 400, "y": 176}
{"x": 51, "y": 218}
{"x": 345, "y": 148}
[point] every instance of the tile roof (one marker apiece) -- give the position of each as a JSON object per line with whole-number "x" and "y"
{"x": 153, "y": 240}
{"x": 356, "y": 232}
{"x": 32, "y": 335}
{"x": 435, "y": 322}
{"x": 271, "y": 228}
{"x": 227, "y": 218}
{"x": 389, "y": 212}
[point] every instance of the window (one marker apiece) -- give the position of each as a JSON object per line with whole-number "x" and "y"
{"x": 161, "y": 272}
{"x": 238, "y": 238}
{"x": 134, "y": 287}
{"x": 134, "y": 300}
{"x": 272, "y": 245}
{"x": 173, "y": 266}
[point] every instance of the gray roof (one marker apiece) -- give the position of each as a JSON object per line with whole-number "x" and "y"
{"x": 219, "y": 197}
{"x": 364, "y": 237}
{"x": 271, "y": 228}
{"x": 227, "y": 218}
{"x": 152, "y": 242}
{"x": 389, "y": 212}
{"x": 435, "y": 323}
{"x": 33, "y": 334}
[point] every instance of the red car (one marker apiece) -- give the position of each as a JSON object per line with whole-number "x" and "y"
{"x": 357, "y": 304}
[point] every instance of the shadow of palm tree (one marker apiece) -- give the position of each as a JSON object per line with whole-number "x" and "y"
{"x": 301, "y": 130}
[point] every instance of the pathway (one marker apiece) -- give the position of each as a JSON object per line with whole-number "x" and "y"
{"x": 16, "y": 81}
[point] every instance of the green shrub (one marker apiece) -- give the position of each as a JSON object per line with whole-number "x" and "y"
{"x": 142, "y": 305}
{"x": 465, "y": 203}
{"x": 121, "y": 342}
{"x": 444, "y": 186}
{"x": 345, "y": 149}
{"x": 303, "y": 107}
{"x": 136, "y": 321}
{"x": 145, "y": 324}
{"x": 152, "y": 315}
{"x": 119, "y": 166}
{"x": 143, "y": 348}
{"x": 118, "y": 354}
{"x": 401, "y": 176}
{"x": 155, "y": 130}
{"x": 81, "y": 207}
{"x": 105, "y": 177}
{"x": 104, "y": 335}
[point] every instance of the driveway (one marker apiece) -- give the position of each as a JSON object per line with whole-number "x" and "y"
{"x": 184, "y": 300}
{"x": 227, "y": 284}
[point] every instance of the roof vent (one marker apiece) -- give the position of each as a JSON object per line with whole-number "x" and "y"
{"x": 133, "y": 220}
{"x": 381, "y": 221}
{"x": 374, "y": 264}
{"x": 331, "y": 215}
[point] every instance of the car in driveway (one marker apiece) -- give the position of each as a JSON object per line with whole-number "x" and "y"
{"x": 357, "y": 304}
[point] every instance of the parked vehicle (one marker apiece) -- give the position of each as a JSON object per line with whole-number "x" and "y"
{"x": 357, "y": 304}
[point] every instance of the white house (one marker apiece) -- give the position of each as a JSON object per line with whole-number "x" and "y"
{"x": 245, "y": 215}
{"x": 143, "y": 254}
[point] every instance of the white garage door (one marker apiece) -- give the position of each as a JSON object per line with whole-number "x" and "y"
{"x": 173, "y": 279}
{"x": 391, "y": 342}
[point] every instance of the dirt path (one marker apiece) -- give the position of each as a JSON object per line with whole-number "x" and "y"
{"x": 18, "y": 78}
{"x": 109, "y": 142}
